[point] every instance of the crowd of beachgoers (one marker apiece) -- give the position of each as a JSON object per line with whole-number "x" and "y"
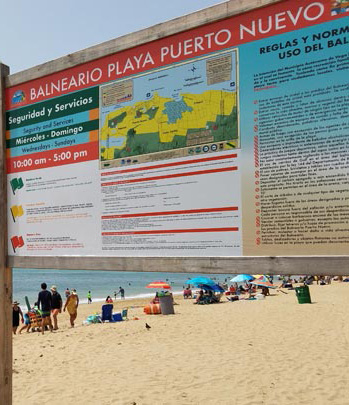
{"x": 44, "y": 314}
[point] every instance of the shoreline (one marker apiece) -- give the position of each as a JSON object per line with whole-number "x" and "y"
{"x": 98, "y": 300}
{"x": 130, "y": 298}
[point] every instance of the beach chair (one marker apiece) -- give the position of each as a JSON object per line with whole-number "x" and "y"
{"x": 35, "y": 319}
{"x": 187, "y": 293}
{"x": 219, "y": 296}
{"x": 107, "y": 313}
{"x": 202, "y": 301}
{"x": 124, "y": 314}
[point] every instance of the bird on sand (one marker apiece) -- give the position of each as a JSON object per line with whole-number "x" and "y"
{"x": 147, "y": 326}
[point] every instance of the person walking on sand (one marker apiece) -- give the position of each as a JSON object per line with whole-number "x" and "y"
{"x": 72, "y": 304}
{"x": 16, "y": 313}
{"x": 27, "y": 323}
{"x": 56, "y": 305}
{"x": 89, "y": 298}
{"x": 45, "y": 302}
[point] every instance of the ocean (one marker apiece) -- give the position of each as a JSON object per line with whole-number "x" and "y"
{"x": 26, "y": 282}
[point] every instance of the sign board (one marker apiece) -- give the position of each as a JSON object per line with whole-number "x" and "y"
{"x": 230, "y": 139}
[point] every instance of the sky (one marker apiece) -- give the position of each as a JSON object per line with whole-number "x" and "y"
{"x": 37, "y": 31}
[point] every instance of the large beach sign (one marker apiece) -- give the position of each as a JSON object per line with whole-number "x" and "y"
{"x": 228, "y": 139}
{"x": 214, "y": 143}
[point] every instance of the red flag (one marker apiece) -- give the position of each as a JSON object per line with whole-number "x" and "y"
{"x": 15, "y": 242}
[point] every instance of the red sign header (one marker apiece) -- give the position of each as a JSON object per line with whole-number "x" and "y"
{"x": 261, "y": 23}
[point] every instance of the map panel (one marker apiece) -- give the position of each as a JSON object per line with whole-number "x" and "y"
{"x": 187, "y": 109}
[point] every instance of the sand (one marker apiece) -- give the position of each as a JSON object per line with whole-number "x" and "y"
{"x": 274, "y": 351}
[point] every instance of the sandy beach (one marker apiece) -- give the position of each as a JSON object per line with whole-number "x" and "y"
{"x": 274, "y": 351}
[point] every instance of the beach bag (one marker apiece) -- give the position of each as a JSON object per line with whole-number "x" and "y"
{"x": 152, "y": 309}
{"x": 94, "y": 319}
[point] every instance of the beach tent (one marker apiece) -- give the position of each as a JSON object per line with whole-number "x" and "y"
{"x": 211, "y": 299}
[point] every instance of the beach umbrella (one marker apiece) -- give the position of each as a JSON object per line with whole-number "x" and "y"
{"x": 258, "y": 276}
{"x": 159, "y": 284}
{"x": 261, "y": 283}
{"x": 214, "y": 287}
{"x": 241, "y": 278}
{"x": 200, "y": 280}
{"x": 261, "y": 278}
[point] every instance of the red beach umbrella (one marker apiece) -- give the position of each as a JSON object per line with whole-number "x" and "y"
{"x": 159, "y": 284}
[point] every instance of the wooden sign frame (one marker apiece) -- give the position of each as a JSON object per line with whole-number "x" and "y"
{"x": 322, "y": 265}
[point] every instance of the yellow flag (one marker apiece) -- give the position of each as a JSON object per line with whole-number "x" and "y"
{"x": 17, "y": 211}
{"x": 14, "y": 210}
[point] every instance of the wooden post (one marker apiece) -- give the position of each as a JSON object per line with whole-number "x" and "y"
{"x": 5, "y": 272}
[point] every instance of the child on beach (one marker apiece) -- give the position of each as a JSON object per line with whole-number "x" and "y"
{"x": 26, "y": 323}
{"x": 89, "y": 298}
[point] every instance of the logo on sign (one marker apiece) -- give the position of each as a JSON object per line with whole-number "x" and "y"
{"x": 18, "y": 97}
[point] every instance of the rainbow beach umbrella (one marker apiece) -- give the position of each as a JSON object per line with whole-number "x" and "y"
{"x": 161, "y": 285}
{"x": 261, "y": 283}
{"x": 261, "y": 277}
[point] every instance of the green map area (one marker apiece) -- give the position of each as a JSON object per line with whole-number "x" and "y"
{"x": 162, "y": 124}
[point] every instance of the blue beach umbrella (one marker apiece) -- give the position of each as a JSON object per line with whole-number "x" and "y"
{"x": 214, "y": 287}
{"x": 200, "y": 280}
{"x": 241, "y": 278}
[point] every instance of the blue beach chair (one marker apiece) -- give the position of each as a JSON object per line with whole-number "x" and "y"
{"x": 107, "y": 312}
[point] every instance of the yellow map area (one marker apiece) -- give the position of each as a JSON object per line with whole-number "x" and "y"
{"x": 164, "y": 116}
